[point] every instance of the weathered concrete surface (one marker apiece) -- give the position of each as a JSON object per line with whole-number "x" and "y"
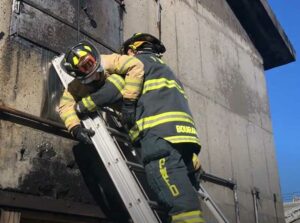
{"x": 35, "y": 162}
{"x": 223, "y": 74}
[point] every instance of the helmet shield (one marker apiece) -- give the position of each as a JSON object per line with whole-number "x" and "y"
{"x": 87, "y": 64}
{"x": 82, "y": 61}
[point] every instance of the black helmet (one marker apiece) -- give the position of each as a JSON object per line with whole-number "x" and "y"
{"x": 143, "y": 41}
{"x": 82, "y": 61}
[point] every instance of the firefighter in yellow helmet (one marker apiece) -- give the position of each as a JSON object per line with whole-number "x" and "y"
{"x": 165, "y": 128}
{"x": 100, "y": 80}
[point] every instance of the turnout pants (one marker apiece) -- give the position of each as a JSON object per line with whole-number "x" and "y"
{"x": 169, "y": 172}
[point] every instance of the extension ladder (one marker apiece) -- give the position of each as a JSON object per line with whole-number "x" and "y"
{"x": 133, "y": 195}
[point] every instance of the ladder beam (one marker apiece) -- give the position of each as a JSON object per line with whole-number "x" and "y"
{"x": 212, "y": 206}
{"x": 126, "y": 185}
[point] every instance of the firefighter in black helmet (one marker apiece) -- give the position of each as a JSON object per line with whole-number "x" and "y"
{"x": 165, "y": 128}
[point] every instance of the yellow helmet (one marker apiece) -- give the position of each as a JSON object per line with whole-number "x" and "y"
{"x": 82, "y": 61}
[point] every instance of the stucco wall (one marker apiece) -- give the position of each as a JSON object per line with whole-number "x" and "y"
{"x": 224, "y": 79}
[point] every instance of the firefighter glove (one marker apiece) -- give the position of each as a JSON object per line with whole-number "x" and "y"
{"x": 82, "y": 134}
{"x": 128, "y": 112}
{"x": 81, "y": 110}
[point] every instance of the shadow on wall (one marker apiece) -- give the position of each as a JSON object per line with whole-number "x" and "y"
{"x": 99, "y": 183}
{"x": 57, "y": 178}
{"x": 53, "y": 90}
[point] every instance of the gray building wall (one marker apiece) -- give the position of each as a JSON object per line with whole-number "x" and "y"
{"x": 223, "y": 77}
{"x": 32, "y": 161}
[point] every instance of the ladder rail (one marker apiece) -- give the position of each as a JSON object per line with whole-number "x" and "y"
{"x": 212, "y": 206}
{"x": 126, "y": 184}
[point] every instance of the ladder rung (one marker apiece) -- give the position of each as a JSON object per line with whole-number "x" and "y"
{"x": 118, "y": 133}
{"x": 156, "y": 206}
{"x": 135, "y": 166}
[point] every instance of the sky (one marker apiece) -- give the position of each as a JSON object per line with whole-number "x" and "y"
{"x": 283, "y": 84}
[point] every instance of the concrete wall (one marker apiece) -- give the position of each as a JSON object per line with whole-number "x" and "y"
{"x": 32, "y": 161}
{"x": 224, "y": 78}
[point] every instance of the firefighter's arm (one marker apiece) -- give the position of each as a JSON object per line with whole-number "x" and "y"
{"x": 131, "y": 68}
{"x": 67, "y": 112}
{"x": 108, "y": 94}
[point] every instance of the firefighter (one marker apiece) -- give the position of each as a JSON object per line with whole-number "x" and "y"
{"x": 154, "y": 107}
{"x": 165, "y": 128}
{"x": 96, "y": 84}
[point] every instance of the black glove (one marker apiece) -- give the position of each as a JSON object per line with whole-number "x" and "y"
{"x": 128, "y": 112}
{"x": 82, "y": 134}
{"x": 81, "y": 111}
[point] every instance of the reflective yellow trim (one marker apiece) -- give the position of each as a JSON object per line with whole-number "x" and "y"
{"x": 127, "y": 64}
{"x": 164, "y": 174}
{"x": 183, "y": 138}
{"x": 66, "y": 114}
{"x": 133, "y": 84}
{"x": 185, "y": 129}
{"x": 152, "y": 121}
{"x": 66, "y": 98}
{"x": 132, "y": 88}
{"x": 88, "y": 48}
{"x": 190, "y": 213}
{"x": 81, "y": 53}
{"x": 88, "y": 103}
{"x": 71, "y": 118}
{"x": 156, "y": 84}
{"x": 156, "y": 59}
{"x": 134, "y": 133}
{"x": 153, "y": 58}
{"x": 133, "y": 80}
{"x": 75, "y": 60}
{"x": 65, "y": 118}
{"x": 71, "y": 122}
{"x": 188, "y": 217}
{"x": 117, "y": 80}
{"x": 160, "y": 60}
